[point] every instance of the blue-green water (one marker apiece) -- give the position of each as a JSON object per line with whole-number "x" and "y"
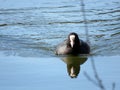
{"x": 34, "y": 28}
{"x": 18, "y": 73}
{"x": 30, "y": 31}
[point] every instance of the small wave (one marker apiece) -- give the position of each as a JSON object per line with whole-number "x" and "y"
{"x": 3, "y": 25}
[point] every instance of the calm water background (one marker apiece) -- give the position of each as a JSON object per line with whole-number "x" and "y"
{"x": 31, "y": 29}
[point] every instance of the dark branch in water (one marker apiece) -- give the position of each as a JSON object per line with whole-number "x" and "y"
{"x": 85, "y": 20}
{"x": 96, "y": 75}
{"x": 97, "y": 81}
{"x": 100, "y": 84}
{"x": 113, "y": 86}
{"x": 90, "y": 79}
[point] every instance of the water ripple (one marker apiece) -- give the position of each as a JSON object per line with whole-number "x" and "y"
{"x": 36, "y": 30}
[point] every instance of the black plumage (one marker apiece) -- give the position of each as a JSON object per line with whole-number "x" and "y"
{"x": 72, "y": 45}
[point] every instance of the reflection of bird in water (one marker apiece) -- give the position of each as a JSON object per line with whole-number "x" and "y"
{"x": 73, "y": 64}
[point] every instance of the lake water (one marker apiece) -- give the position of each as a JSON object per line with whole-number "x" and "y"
{"x": 34, "y": 28}
{"x": 30, "y": 31}
{"x": 18, "y": 73}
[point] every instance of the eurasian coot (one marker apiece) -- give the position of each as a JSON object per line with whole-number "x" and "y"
{"x": 72, "y": 45}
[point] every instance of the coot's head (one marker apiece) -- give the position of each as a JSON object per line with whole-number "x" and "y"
{"x": 73, "y": 40}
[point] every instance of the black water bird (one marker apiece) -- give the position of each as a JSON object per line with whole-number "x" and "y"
{"x": 72, "y": 45}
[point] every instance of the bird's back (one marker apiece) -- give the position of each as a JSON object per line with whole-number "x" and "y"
{"x": 63, "y": 49}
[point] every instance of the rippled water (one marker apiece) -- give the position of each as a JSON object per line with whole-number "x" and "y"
{"x": 34, "y": 28}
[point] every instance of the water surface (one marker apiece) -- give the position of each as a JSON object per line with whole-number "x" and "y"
{"x": 18, "y": 73}
{"x": 30, "y": 31}
{"x": 34, "y": 28}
